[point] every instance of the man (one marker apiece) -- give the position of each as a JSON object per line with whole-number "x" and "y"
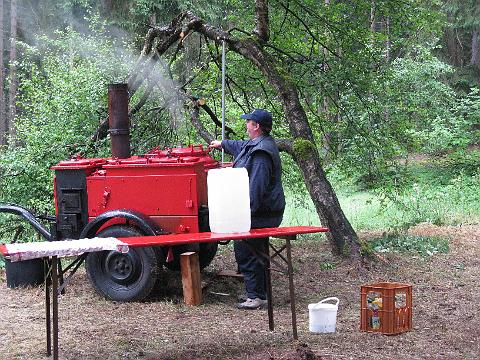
{"x": 260, "y": 156}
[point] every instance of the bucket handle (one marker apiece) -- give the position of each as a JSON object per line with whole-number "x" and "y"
{"x": 329, "y": 299}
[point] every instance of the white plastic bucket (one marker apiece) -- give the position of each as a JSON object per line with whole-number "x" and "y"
{"x": 322, "y": 316}
{"x": 228, "y": 200}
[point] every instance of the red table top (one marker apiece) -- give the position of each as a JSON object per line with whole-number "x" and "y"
{"x": 179, "y": 239}
{"x": 28, "y": 249}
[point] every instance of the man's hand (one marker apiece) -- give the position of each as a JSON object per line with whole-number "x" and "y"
{"x": 216, "y": 144}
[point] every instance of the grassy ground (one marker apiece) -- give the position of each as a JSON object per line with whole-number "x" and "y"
{"x": 446, "y": 294}
{"x": 432, "y": 195}
{"x": 438, "y": 214}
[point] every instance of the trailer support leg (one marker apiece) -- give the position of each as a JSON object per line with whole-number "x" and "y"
{"x": 191, "y": 281}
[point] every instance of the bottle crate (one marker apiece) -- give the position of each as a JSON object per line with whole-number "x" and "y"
{"x": 386, "y": 308}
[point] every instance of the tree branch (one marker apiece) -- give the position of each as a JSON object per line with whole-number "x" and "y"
{"x": 195, "y": 120}
{"x": 285, "y": 145}
{"x": 261, "y": 19}
{"x": 307, "y": 28}
{"x": 341, "y": 233}
{"x": 209, "y": 111}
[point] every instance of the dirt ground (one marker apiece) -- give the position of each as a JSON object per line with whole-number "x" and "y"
{"x": 446, "y": 298}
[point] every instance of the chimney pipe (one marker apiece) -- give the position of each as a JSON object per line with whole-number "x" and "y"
{"x": 118, "y": 120}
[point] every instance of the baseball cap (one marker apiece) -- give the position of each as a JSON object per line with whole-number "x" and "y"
{"x": 260, "y": 116}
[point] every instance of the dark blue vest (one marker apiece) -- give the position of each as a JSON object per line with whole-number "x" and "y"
{"x": 270, "y": 211}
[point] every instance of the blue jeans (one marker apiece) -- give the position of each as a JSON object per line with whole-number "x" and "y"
{"x": 252, "y": 269}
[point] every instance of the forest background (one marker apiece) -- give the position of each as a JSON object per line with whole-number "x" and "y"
{"x": 389, "y": 88}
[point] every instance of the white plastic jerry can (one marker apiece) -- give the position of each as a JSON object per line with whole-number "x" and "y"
{"x": 228, "y": 200}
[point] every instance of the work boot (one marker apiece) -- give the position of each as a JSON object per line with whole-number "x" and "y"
{"x": 252, "y": 304}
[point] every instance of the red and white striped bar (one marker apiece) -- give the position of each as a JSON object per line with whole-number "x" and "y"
{"x": 34, "y": 250}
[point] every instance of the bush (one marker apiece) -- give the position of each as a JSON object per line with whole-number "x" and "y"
{"x": 461, "y": 162}
{"x": 62, "y": 95}
{"x": 425, "y": 246}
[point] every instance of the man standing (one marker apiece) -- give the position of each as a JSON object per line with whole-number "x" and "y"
{"x": 260, "y": 156}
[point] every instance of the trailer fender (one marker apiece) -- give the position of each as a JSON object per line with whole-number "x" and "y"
{"x": 144, "y": 223}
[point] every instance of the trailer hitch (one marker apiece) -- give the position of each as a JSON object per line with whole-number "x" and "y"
{"x": 29, "y": 217}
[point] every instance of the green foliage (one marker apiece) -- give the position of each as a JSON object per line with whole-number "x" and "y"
{"x": 456, "y": 129}
{"x": 423, "y": 245}
{"x": 413, "y": 109}
{"x": 371, "y": 97}
{"x": 405, "y": 101}
{"x": 432, "y": 194}
{"x": 437, "y": 199}
{"x": 62, "y": 97}
{"x": 461, "y": 162}
{"x": 327, "y": 266}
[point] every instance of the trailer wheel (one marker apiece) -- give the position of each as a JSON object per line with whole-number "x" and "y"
{"x": 206, "y": 253}
{"x": 123, "y": 277}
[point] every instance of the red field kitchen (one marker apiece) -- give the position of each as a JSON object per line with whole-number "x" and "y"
{"x": 128, "y": 216}
{"x": 163, "y": 191}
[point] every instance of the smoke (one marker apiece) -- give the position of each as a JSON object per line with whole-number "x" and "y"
{"x": 110, "y": 47}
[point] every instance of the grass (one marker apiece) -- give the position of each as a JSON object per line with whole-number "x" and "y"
{"x": 447, "y": 200}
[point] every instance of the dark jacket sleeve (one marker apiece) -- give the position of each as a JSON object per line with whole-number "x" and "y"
{"x": 259, "y": 174}
{"x": 233, "y": 147}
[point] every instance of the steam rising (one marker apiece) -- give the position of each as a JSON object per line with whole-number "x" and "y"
{"x": 121, "y": 62}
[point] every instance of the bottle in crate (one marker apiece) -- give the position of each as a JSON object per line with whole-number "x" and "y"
{"x": 386, "y": 308}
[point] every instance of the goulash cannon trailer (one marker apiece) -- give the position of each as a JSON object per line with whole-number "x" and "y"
{"x": 128, "y": 216}
{"x": 161, "y": 192}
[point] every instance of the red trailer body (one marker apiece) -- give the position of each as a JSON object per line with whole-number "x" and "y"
{"x": 169, "y": 186}
{"x": 170, "y": 193}
{"x": 163, "y": 191}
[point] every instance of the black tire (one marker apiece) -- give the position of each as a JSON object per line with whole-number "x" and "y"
{"x": 123, "y": 277}
{"x": 206, "y": 253}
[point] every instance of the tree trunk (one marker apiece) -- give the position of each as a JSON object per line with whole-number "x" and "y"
{"x": 12, "y": 93}
{"x": 261, "y": 19}
{"x": 342, "y": 236}
{"x": 3, "y": 118}
{"x": 453, "y": 45}
{"x": 329, "y": 140}
{"x": 373, "y": 27}
{"x": 388, "y": 43}
{"x": 475, "y": 58}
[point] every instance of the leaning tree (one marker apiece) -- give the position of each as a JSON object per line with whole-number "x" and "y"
{"x": 315, "y": 37}
{"x": 302, "y": 148}
{"x": 292, "y": 69}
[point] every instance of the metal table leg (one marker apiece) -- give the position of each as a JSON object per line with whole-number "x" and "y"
{"x": 268, "y": 280}
{"x": 55, "y": 305}
{"x": 48, "y": 318}
{"x": 291, "y": 287}
{"x": 265, "y": 257}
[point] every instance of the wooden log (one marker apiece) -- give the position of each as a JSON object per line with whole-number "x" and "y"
{"x": 192, "y": 288}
